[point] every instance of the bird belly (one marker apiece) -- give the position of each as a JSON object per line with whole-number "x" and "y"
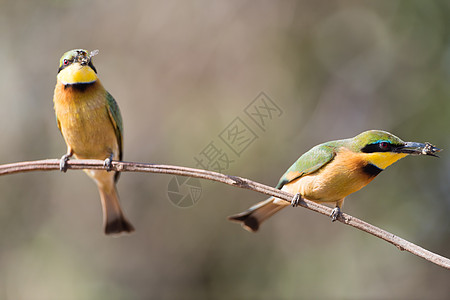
{"x": 90, "y": 135}
{"x": 333, "y": 182}
{"x": 86, "y": 126}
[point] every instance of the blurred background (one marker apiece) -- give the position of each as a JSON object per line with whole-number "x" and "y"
{"x": 182, "y": 71}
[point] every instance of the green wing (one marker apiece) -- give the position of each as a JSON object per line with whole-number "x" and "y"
{"x": 308, "y": 163}
{"x": 116, "y": 120}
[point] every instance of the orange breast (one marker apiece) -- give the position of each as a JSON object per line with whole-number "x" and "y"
{"x": 84, "y": 121}
{"x": 336, "y": 180}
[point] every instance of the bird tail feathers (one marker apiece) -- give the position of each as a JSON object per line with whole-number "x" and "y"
{"x": 252, "y": 218}
{"x": 114, "y": 222}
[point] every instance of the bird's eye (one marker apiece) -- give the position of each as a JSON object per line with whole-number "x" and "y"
{"x": 65, "y": 62}
{"x": 384, "y": 145}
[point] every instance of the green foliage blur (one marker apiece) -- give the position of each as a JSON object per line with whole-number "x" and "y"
{"x": 181, "y": 72}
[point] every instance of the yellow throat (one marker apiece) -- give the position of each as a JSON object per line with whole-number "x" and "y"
{"x": 383, "y": 159}
{"x": 76, "y": 73}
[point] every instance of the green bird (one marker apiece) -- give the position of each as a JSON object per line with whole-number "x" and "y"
{"x": 90, "y": 122}
{"x": 331, "y": 171}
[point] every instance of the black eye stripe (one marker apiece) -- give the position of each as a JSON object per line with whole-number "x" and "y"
{"x": 70, "y": 61}
{"x": 92, "y": 66}
{"x": 378, "y": 147}
{"x": 370, "y": 148}
{"x": 65, "y": 63}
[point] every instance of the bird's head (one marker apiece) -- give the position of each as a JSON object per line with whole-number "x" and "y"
{"x": 75, "y": 66}
{"x": 382, "y": 148}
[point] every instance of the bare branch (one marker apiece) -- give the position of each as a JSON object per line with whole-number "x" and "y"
{"x": 53, "y": 164}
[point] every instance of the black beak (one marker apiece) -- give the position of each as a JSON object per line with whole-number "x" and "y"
{"x": 418, "y": 149}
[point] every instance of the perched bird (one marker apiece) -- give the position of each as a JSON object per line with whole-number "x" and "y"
{"x": 331, "y": 171}
{"x": 90, "y": 122}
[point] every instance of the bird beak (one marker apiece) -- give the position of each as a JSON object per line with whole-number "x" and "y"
{"x": 418, "y": 149}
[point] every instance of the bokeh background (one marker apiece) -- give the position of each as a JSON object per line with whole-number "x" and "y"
{"x": 181, "y": 71}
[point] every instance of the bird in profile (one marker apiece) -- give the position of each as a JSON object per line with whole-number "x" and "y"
{"x": 90, "y": 122}
{"x": 331, "y": 171}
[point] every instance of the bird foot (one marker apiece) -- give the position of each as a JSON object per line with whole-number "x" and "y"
{"x": 63, "y": 162}
{"x": 335, "y": 213}
{"x": 296, "y": 200}
{"x": 108, "y": 163}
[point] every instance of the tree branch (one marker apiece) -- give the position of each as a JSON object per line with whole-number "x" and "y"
{"x": 53, "y": 164}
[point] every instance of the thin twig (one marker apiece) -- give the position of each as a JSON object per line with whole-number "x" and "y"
{"x": 53, "y": 164}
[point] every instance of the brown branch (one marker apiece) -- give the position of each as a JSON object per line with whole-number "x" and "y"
{"x": 53, "y": 164}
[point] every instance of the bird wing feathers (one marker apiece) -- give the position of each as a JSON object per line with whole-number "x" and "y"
{"x": 116, "y": 120}
{"x": 308, "y": 163}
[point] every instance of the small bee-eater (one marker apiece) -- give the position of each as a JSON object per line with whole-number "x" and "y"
{"x": 331, "y": 171}
{"x": 90, "y": 122}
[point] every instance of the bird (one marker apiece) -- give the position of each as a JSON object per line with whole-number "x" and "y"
{"x": 331, "y": 171}
{"x": 91, "y": 124}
